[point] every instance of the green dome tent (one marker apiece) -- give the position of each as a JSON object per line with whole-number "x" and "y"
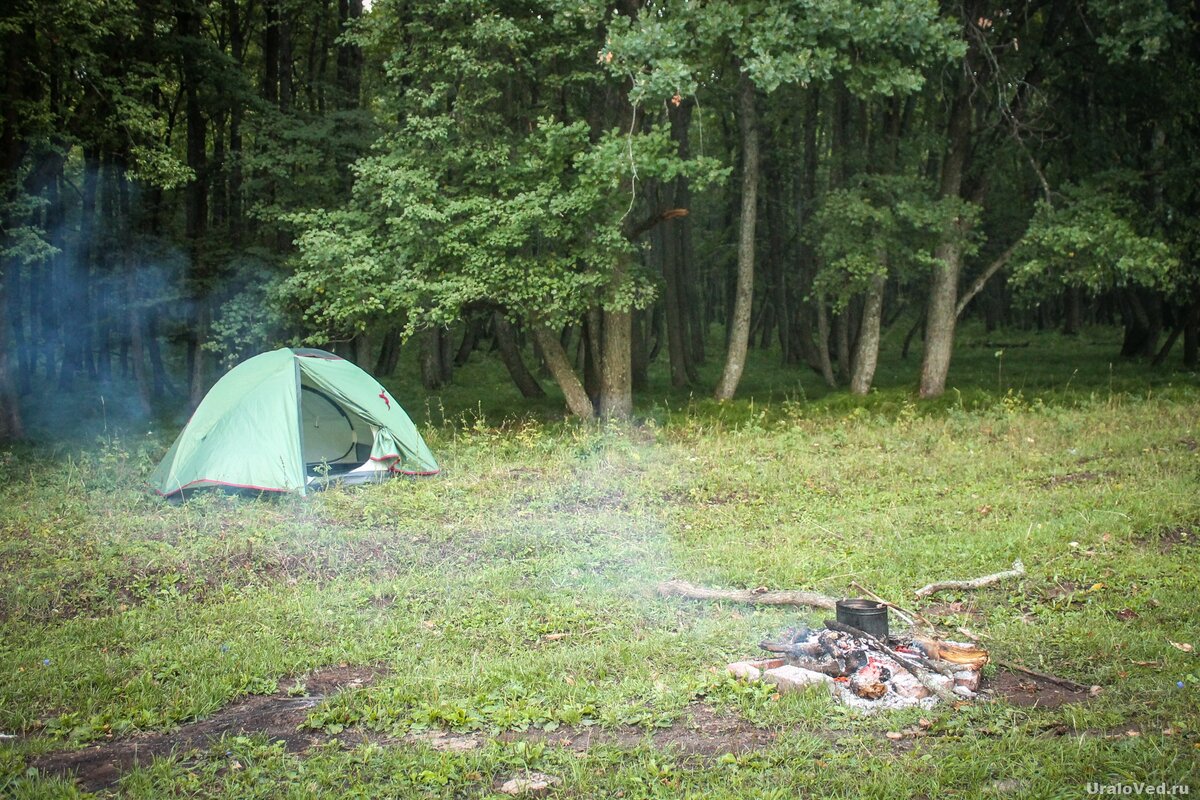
{"x": 289, "y": 420}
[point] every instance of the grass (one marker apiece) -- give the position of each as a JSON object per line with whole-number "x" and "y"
{"x": 516, "y": 591}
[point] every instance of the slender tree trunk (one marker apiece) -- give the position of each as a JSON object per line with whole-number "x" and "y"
{"x": 133, "y": 300}
{"x": 841, "y": 336}
{"x": 807, "y": 316}
{"x": 388, "y": 351}
{"x": 1073, "y": 318}
{"x": 826, "y": 362}
{"x": 158, "y": 370}
{"x": 591, "y": 345}
{"x": 510, "y": 354}
{"x": 941, "y": 312}
{"x": 673, "y": 300}
{"x": 470, "y": 337}
{"x": 1191, "y": 336}
{"x": 16, "y": 48}
{"x": 688, "y": 293}
{"x": 196, "y": 202}
{"x": 779, "y": 284}
{"x": 639, "y": 357}
{"x": 560, "y": 367}
{"x": 918, "y": 325}
{"x": 739, "y": 337}
{"x": 866, "y": 352}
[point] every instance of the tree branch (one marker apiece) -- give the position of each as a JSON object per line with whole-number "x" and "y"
{"x": 1018, "y": 569}
{"x": 984, "y": 277}
{"x": 650, "y": 222}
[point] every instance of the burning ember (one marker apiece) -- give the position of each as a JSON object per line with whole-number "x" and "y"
{"x": 867, "y": 672}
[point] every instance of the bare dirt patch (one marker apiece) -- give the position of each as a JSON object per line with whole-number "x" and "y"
{"x": 278, "y": 716}
{"x": 701, "y": 733}
{"x": 1171, "y": 537}
{"x": 1084, "y": 476}
{"x": 956, "y": 608}
{"x": 1030, "y": 692}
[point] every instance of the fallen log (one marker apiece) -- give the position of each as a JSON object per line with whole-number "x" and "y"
{"x": 1018, "y": 569}
{"x": 756, "y": 596}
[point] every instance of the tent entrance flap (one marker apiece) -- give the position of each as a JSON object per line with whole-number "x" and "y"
{"x": 334, "y": 437}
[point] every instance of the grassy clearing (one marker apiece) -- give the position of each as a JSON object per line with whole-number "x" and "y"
{"x": 516, "y": 592}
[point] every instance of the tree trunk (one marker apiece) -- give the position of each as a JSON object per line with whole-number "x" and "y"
{"x": 841, "y": 336}
{"x": 866, "y": 352}
{"x": 510, "y": 354}
{"x": 431, "y": 359}
{"x": 16, "y": 48}
{"x": 739, "y": 338}
{"x": 1191, "y": 336}
{"x": 918, "y": 325}
{"x": 616, "y": 373}
{"x": 389, "y": 352}
{"x": 679, "y": 232}
{"x": 639, "y": 357}
{"x": 826, "y": 362}
{"x": 564, "y": 376}
{"x": 673, "y": 300}
{"x": 470, "y": 336}
{"x": 1073, "y": 318}
{"x": 941, "y": 313}
{"x": 591, "y": 344}
{"x": 196, "y": 202}
{"x": 133, "y": 299}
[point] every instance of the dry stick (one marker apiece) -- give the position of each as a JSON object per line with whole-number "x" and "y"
{"x": 1066, "y": 683}
{"x": 1018, "y": 569}
{"x": 765, "y": 598}
{"x": 907, "y": 616}
{"x": 917, "y": 670}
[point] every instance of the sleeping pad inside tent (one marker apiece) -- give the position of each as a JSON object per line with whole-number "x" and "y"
{"x": 291, "y": 420}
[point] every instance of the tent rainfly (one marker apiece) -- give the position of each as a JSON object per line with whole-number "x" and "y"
{"x": 291, "y": 420}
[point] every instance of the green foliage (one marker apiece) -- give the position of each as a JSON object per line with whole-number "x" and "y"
{"x": 885, "y": 225}
{"x": 1134, "y": 29}
{"x": 471, "y": 200}
{"x": 1091, "y": 239}
{"x": 877, "y": 48}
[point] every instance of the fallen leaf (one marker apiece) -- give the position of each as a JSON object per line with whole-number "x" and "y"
{"x": 1184, "y": 646}
{"x": 924, "y": 723}
{"x": 1133, "y": 734}
{"x": 569, "y": 681}
{"x": 895, "y": 736}
{"x": 1095, "y": 691}
{"x": 1126, "y": 614}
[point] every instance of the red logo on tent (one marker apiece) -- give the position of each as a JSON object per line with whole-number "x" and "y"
{"x": 383, "y": 396}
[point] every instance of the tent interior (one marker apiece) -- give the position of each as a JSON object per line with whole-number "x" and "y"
{"x": 337, "y": 442}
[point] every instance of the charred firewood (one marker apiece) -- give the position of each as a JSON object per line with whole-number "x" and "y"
{"x": 911, "y": 663}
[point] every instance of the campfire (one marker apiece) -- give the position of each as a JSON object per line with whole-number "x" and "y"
{"x": 865, "y": 670}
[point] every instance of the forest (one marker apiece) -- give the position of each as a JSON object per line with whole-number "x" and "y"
{"x": 584, "y": 189}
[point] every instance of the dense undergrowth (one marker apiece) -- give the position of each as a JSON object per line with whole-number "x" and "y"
{"x": 517, "y": 590}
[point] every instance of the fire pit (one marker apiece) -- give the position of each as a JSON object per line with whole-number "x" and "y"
{"x": 867, "y": 671}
